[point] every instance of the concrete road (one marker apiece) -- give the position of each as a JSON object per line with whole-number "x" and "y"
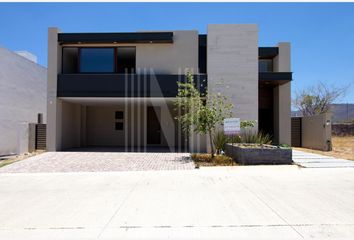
{"x": 258, "y": 202}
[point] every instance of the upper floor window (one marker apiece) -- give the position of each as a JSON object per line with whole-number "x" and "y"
{"x": 97, "y": 60}
{"x": 265, "y": 65}
{"x": 126, "y": 59}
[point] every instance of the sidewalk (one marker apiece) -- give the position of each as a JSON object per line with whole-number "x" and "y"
{"x": 312, "y": 160}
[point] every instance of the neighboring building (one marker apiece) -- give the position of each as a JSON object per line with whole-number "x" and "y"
{"x": 27, "y": 55}
{"x": 23, "y": 86}
{"x": 117, "y": 89}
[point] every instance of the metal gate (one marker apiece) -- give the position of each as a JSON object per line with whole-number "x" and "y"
{"x": 41, "y": 136}
{"x": 296, "y": 130}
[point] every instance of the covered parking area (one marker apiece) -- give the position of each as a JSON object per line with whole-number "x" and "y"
{"x": 118, "y": 125}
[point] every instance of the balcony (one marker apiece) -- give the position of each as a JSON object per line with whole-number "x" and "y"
{"x": 123, "y": 85}
{"x": 276, "y": 78}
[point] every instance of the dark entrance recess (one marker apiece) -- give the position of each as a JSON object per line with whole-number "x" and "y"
{"x": 266, "y": 111}
{"x": 153, "y": 125}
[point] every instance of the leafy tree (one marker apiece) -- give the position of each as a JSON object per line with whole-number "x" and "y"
{"x": 200, "y": 113}
{"x": 317, "y": 99}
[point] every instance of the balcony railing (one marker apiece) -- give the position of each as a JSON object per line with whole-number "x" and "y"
{"x": 123, "y": 85}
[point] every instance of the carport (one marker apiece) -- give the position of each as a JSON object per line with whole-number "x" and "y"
{"x": 119, "y": 125}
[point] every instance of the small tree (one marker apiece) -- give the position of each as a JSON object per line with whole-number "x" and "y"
{"x": 201, "y": 113}
{"x": 188, "y": 100}
{"x": 317, "y": 99}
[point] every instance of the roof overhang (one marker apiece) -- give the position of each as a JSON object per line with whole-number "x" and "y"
{"x": 268, "y": 52}
{"x": 135, "y": 37}
{"x": 275, "y": 78}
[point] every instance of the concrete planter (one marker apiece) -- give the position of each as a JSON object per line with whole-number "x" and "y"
{"x": 251, "y": 154}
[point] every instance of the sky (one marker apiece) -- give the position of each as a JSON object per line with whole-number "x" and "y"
{"x": 321, "y": 34}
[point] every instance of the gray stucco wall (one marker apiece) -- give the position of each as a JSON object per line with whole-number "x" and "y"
{"x": 282, "y": 97}
{"x": 22, "y": 96}
{"x": 316, "y": 132}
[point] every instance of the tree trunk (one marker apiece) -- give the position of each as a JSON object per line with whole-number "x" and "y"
{"x": 211, "y": 145}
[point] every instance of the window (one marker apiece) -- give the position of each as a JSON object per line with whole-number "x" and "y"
{"x": 97, "y": 60}
{"x": 119, "y": 115}
{"x": 265, "y": 65}
{"x": 119, "y": 126}
{"x": 70, "y": 60}
{"x": 126, "y": 59}
{"x": 119, "y": 119}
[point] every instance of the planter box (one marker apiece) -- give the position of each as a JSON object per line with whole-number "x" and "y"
{"x": 252, "y": 154}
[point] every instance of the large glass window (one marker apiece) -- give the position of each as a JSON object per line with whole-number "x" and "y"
{"x": 265, "y": 65}
{"x": 97, "y": 60}
{"x": 126, "y": 59}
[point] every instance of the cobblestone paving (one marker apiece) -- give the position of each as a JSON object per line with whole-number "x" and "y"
{"x": 100, "y": 161}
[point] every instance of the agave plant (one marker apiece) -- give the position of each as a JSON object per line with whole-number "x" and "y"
{"x": 219, "y": 140}
{"x": 254, "y": 137}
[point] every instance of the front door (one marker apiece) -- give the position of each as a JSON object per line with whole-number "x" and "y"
{"x": 153, "y": 125}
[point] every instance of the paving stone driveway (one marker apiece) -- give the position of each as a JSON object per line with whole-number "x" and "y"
{"x": 101, "y": 161}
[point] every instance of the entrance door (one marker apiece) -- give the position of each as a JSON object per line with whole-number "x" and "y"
{"x": 153, "y": 125}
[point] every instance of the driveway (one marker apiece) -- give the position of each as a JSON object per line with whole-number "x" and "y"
{"x": 101, "y": 161}
{"x": 256, "y": 202}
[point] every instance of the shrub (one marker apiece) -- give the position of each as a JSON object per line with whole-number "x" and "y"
{"x": 220, "y": 139}
{"x": 248, "y": 136}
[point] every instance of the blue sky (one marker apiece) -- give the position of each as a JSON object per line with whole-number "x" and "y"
{"x": 322, "y": 34}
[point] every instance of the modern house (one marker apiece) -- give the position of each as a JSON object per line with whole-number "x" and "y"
{"x": 23, "y": 85}
{"x": 117, "y": 89}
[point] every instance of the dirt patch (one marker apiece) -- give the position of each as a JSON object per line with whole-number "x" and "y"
{"x": 205, "y": 160}
{"x": 15, "y": 158}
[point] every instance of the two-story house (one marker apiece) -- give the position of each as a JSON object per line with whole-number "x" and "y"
{"x": 117, "y": 89}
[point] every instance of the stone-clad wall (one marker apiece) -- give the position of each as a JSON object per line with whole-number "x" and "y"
{"x": 343, "y": 129}
{"x": 232, "y": 65}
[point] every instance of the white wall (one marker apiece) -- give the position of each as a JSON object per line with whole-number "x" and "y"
{"x": 22, "y": 96}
